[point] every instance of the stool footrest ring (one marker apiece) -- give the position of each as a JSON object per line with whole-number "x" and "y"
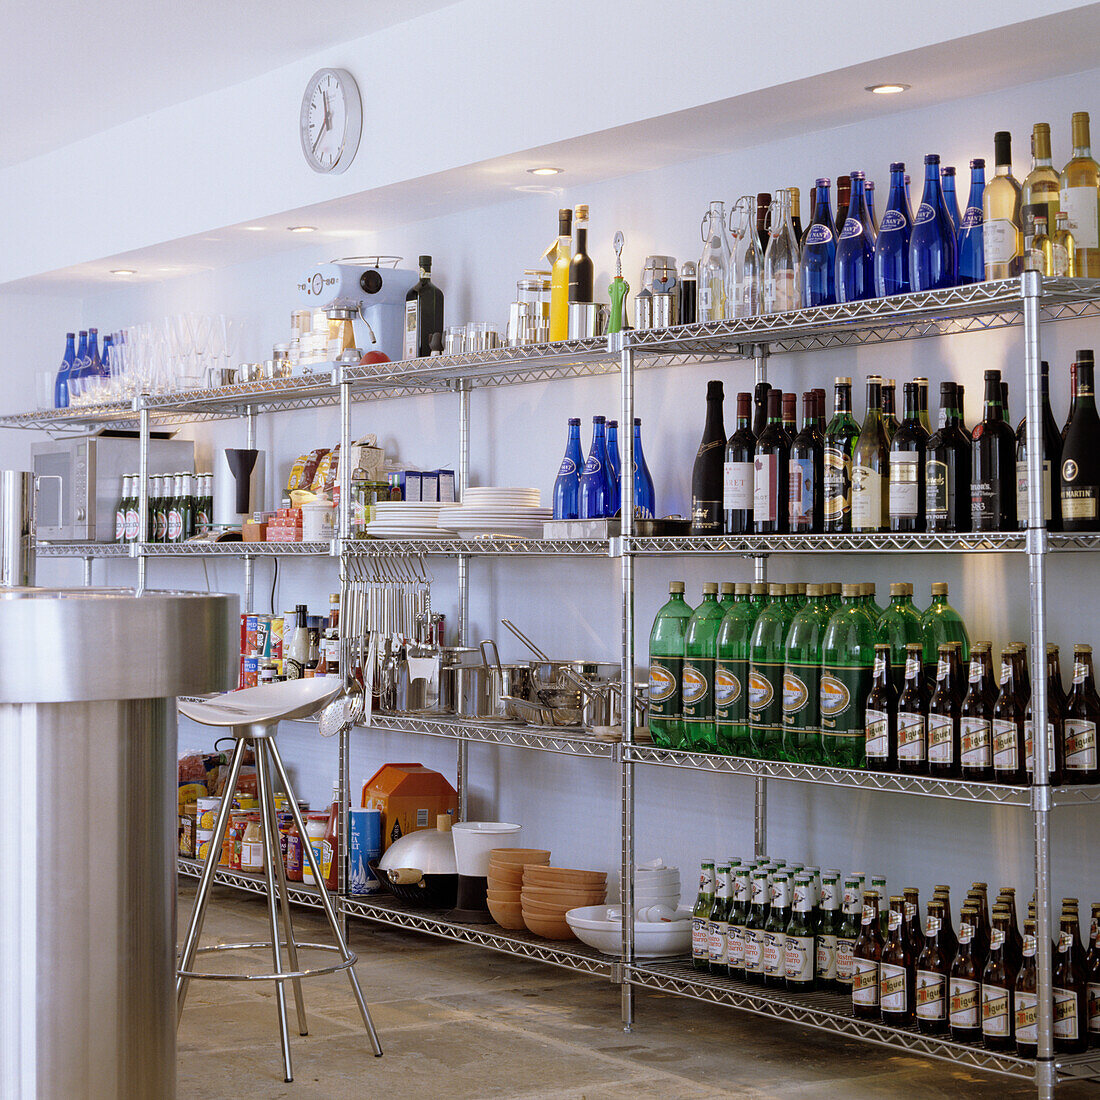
{"x": 286, "y": 975}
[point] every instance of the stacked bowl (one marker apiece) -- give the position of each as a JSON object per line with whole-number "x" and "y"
{"x": 656, "y": 893}
{"x": 505, "y": 882}
{"x": 548, "y": 893}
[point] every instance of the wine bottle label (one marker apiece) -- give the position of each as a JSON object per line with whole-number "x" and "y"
{"x": 837, "y": 477}
{"x": 697, "y": 690}
{"x": 765, "y": 489}
{"x": 941, "y": 745}
{"x": 664, "y": 687}
{"x": 737, "y": 486}
{"x": 994, "y": 1010}
{"x": 819, "y": 234}
{"x": 1021, "y": 489}
{"x": 937, "y": 488}
{"x": 706, "y": 517}
{"x": 891, "y": 221}
{"x": 867, "y": 499}
{"x": 1006, "y": 755}
{"x": 1029, "y": 761}
{"x": 853, "y": 227}
{"x": 826, "y": 958}
{"x": 796, "y": 696}
{"x": 409, "y": 349}
{"x": 904, "y": 484}
{"x": 974, "y": 738}
{"x": 1094, "y": 1008}
{"x": 865, "y": 984}
{"x": 700, "y": 937}
{"x": 773, "y": 953}
{"x": 1059, "y": 259}
{"x": 781, "y": 292}
{"x": 1078, "y": 501}
{"x": 1080, "y": 741}
{"x": 911, "y": 736}
{"x": 876, "y": 735}
{"x": 799, "y": 958}
{"x": 1027, "y": 1018}
{"x": 930, "y": 995}
{"x": 1029, "y": 212}
{"x": 716, "y": 943}
{"x": 1000, "y": 241}
{"x": 753, "y": 945}
{"x": 1082, "y": 215}
{"x": 1065, "y": 1014}
{"x": 845, "y": 959}
{"x": 964, "y": 1007}
{"x": 892, "y": 987}
{"x": 729, "y": 691}
{"x": 801, "y": 493}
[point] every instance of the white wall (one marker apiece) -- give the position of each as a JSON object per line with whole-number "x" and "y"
{"x": 572, "y": 606}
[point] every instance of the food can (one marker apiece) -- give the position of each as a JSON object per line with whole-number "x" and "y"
{"x": 251, "y": 623}
{"x": 203, "y": 839}
{"x": 365, "y": 833}
{"x": 187, "y": 836}
{"x": 208, "y": 812}
{"x": 251, "y": 671}
{"x": 263, "y": 636}
{"x": 276, "y": 648}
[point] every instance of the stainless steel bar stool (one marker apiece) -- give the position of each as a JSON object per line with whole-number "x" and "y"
{"x": 253, "y": 715}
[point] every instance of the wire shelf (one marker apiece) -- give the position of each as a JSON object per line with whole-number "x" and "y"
{"x": 250, "y": 883}
{"x": 496, "y": 546}
{"x": 235, "y": 549}
{"x": 752, "y": 545}
{"x": 81, "y": 550}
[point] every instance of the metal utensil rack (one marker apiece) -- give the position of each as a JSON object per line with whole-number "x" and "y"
{"x": 1028, "y": 301}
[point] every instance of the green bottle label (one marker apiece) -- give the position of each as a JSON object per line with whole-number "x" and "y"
{"x": 801, "y": 696}
{"x": 697, "y": 689}
{"x": 729, "y": 691}
{"x": 664, "y": 687}
{"x": 765, "y": 701}
{"x": 844, "y": 691}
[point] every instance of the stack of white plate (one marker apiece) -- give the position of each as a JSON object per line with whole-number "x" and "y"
{"x": 399, "y": 519}
{"x": 491, "y": 510}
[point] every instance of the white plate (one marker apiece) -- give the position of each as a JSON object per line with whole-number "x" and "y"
{"x": 488, "y": 490}
{"x": 405, "y": 532}
{"x": 504, "y": 532}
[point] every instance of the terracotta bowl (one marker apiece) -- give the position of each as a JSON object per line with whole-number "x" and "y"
{"x": 503, "y": 896}
{"x": 519, "y": 855}
{"x": 509, "y": 875}
{"x": 549, "y": 929}
{"x": 507, "y": 914}
{"x": 563, "y": 877}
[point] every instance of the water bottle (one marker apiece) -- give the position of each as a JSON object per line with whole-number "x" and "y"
{"x": 781, "y": 258}
{"x": 594, "y": 491}
{"x": 747, "y": 275}
{"x": 567, "y": 486}
{"x": 714, "y": 266}
{"x": 817, "y": 270}
{"x": 95, "y": 364}
{"x": 971, "y": 244}
{"x": 947, "y": 176}
{"x": 892, "y": 245}
{"x": 855, "y": 254}
{"x": 645, "y": 502}
{"x": 614, "y": 466}
{"x": 869, "y": 195}
{"x": 933, "y": 251}
{"x": 68, "y": 363}
{"x": 79, "y": 369}
{"x": 108, "y": 343}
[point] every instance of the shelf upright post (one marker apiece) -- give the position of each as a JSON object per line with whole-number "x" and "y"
{"x": 462, "y": 765}
{"x": 620, "y": 342}
{"x": 88, "y": 572}
{"x": 138, "y": 545}
{"x": 1031, "y": 287}
{"x": 249, "y": 559}
{"x": 340, "y": 544}
{"x": 760, "y": 573}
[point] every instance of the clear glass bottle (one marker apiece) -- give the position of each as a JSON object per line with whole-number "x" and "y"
{"x": 559, "y": 277}
{"x": 746, "y": 286}
{"x": 700, "y": 917}
{"x": 1080, "y": 198}
{"x": 714, "y": 266}
{"x": 1063, "y": 260}
{"x": 840, "y": 443}
{"x": 1002, "y": 238}
{"x": 1039, "y": 193}
{"x": 871, "y": 467}
{"x": 781, "y": 292}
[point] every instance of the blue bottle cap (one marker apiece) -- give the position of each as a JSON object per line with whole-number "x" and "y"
{"x": 70, "y": 335}
{"x": 932, "y": 158}
{"x": 858, "y": 175}
{"x": 599, "y": 420}
{"x": 575, "y": 420}
{"x": 948, "y": 170}
{"x": 823, "y": 182}
{"x": 897, "y": 166}
{"x": 612, "y": 423}
{"x": 637, "y": 422}
{"x": 978, "y": 162}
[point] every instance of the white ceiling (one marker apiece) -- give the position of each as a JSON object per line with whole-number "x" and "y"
{"x": 70, "y": 69}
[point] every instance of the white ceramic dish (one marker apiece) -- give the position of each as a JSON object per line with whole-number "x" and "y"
{"x": 591, "y": 925}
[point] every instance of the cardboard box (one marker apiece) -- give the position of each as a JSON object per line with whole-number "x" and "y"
{"x": 253, "y": 532}
{"x": 409, "y": 796}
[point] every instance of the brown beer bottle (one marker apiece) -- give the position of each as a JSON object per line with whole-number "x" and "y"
{"x": 881, "y": 716}
{"x": 914, "y": 936}
{"x": 1056, "y": 748}
{"x": 1079, "y": 723}
{"x": 976, "y": 720}
{"x": 897, "y": 969}
{"x": 912, "y": 719}
{"x": 964, "y": 983}
{"x": 1079, "y": 951}
{"x": 1015, "y": 946}
{"x": 1025, "y": 1008}
{"x": 1008, "y": 725}
{"x": 998, "y": 982}
{"x": 1092, "y": 970}
{"x": 979, "y": 898}
{"x": 949, "y": 942}
{"x": 1070, "y": 989}
{"x": 866, "y": 956}
{"x": 943, "y": 718}
{"x": 931, "y": 979}
{"x": 1023, "y": 677}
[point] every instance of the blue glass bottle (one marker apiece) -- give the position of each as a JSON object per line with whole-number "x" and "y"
{"x": 645, "y": 502}
{"x": 869, "y": 195}
{"x": 595, "y": 493}
{"x": 892, "y": 243}
{"x": 80, "y": 366}
{"x": 567, "y": 486}
{"x": 947, "y": 177}
{"x": 614, "y": 466}
{"x": 68, "y": 362}
{"x": 908, "y": 198}
{"x": 108, "y": 343}
{"x": 933, "y": 250}
{"x": 971, "y": 243}
{"x": 817, "y": 268}
{"x": 95, "y": 364}
{"x": 855, "y": 254}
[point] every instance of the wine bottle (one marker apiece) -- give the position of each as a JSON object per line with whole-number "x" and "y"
{"x": 645, "y": 500}
{"x": 993, "y": 465}
{"x": 790, "y": 411}
{"x": 1052, "y": 464}
{"x": 771, "y": 473}
{"x": 580, "y": 263}
{"x": 855, "y": 254}
{"x": 68, "y": 364}
{"x": 1072, "y": 400}
{"x": 892, "y": 244}
{"x": 1039, "y": 192}
{"x": 1081, "y": 456}
{"x": 423, "y": 313}
{"x": 594, "y": 489}
{"x": 971, "y": 231}
{"x": 817, "y": 269}
{"x": 933, "y": 249}
{"x": 889, "y": 407}
{"x": 1001, "y": 238}
{"x": 707, "y": 474}
{"x": 807, "y": 480}
{"x": 843, "y": 197}
{"x": 869, "y": 195}
{"x": 951, "y": 200}
{"x": 907, "y": 468}
{"x": 737, "y": 484}
{"x": 759, "y": 408}
{"x": 796, "y": 214}
{"x": 1080, "y": 199}
{"x": 960, "y": 406}
{"x": 840, "y": 442}
{"x": 871, "y": 466}
{"x": 822, "y": 424}
{"x": 763, "y": 201}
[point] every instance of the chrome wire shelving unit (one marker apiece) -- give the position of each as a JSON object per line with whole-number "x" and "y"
{"x": 1028, "y": 302}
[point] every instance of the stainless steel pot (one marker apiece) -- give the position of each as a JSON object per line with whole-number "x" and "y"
{"x": 503, "y": 681}
{"x": 468, "y": 688}
{"x": 452, "y": 687}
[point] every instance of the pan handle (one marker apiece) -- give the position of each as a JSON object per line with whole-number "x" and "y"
{"x": 526, "y": 641}
{"x": 496, "y": 656}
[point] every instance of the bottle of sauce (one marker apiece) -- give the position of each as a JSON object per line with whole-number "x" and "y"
{"x": 330, "y": 845}
{"x": 559, "y": 277}
{"x": 297, "y": 655}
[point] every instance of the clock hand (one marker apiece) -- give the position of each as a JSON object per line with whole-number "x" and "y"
{"x": 320, "y": 134}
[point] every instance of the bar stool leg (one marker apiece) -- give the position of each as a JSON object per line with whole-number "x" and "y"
{"x": 330, "y": 914}
{"x": 284, "y": 903}
{"x": 271, "y": 855}
{"x": 202, "y": 895}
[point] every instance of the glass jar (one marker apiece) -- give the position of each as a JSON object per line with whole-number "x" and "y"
{"x": 316, "y": 827}
{"x": 231, "y": 848}
{"x": 252, "y": 845}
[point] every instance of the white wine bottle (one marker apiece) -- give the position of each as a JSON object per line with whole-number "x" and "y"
{"x": 1041, "y": 188}
{"x": 871, "y": 467}
{"x": 1080, "y": 199}
{"x": 1002, "y": 238}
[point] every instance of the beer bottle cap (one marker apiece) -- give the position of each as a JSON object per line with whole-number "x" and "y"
{"x": 741, "y": 588}
{"x": 676, "y": 587}
{"x": 1082, "y": 649}
{"x": 777, "y": 589}
{"x": 851, "y": 590}
{"x": 939, "y": 588}
{"x": 710, "y": 587}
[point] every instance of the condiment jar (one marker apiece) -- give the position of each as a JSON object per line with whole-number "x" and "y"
{"x": 293, "y": 854}
{"x": 316, "y": 827}
{"x": 252, "y": 845}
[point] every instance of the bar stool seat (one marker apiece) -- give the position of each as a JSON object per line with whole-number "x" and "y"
{"x": 253, "y": 716}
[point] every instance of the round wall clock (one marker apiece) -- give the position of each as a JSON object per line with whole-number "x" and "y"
{"x": 331, "y": 120}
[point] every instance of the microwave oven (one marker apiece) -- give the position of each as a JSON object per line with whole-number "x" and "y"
{"x": 78, "y": 481}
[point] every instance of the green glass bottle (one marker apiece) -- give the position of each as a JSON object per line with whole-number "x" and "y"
{"x": 697, "y": 682}
{"x": 941, "y": 623}
{"x": 758, "y": 595}
{"x": 802, "y": 679}
{"x": 700, "y": 917}
{"x": 898, "y": 626}
{"x": 725, "y": 595}
{"x": 666, "y": 665}
{"x": 847, "y": 658}
{"x": 832, "y": 594}
{"x": 870, "y": 602}
{"x": 766, "y": 657}
{"x": 731, "y": 674}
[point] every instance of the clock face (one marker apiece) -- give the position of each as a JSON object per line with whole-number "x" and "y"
{"x": 331, "y": 120}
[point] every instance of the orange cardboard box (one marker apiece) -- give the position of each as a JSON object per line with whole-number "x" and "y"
{"x": 409, "y": 796}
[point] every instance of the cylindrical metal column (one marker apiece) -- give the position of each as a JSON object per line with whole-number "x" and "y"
{"x": 88, "y": 831}
{"x": 16, "y": 528}
{"x": 760, "y": 573}
{"x": 462, "y": 765}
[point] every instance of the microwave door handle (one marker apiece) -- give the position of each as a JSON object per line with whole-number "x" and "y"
{"x": 60, "y": 510}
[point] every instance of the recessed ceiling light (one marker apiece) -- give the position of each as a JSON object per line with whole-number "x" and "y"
{"x": 255, "y": 228}
{"x": 887, "y": 89}
{"x": 546, "y": 171}
{"x": 122, "y": 271}
{"x": 302, "y": 228}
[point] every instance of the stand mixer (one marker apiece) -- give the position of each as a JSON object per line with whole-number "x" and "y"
{"x": 372, "y": 287}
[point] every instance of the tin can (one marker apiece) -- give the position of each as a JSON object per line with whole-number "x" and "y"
{"x": 263, "y": 636}
{"x": 203, "y": 839}
{"x": 250, "y": 626}
{"x": 276, "y": 648}
{"x": 365, "y": 833}
{"x": 208, "y": 812}
{"x": 251, "y": 671}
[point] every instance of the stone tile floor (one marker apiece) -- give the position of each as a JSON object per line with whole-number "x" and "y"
{"x": 466, "y": 1023}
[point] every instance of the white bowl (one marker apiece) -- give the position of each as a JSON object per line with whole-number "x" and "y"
{"x": 591, "y": 925}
